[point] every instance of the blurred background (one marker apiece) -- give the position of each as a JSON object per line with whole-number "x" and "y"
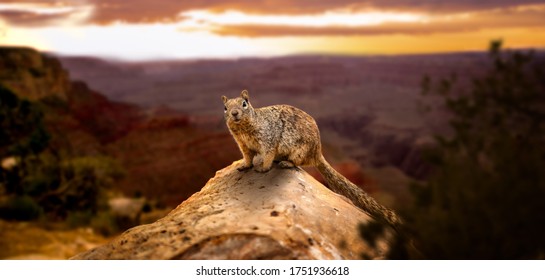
{"x": 111, "y": 116}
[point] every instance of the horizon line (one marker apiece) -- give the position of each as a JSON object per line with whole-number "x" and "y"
{"x": 265, "y": 57}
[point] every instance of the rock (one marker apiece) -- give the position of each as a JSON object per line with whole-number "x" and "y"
{"x": 281, "y": 214}
{"x": 126, "y": 211}
{"x": 126, "y": 206}
{"x": 8, "y": 163}
{"x": 32, "y": 75}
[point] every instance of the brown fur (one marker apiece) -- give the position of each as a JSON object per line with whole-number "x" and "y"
{"x": 291, "y": 137}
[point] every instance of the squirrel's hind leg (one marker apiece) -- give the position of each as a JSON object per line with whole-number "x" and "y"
{"x": 286, "y": 164}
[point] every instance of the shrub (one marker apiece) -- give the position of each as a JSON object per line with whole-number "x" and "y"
{"x": 485, "y": 197}
{"x": 21, "y": 208}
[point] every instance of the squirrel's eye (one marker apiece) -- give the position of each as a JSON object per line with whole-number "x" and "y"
{"x": 244, "y": 104}
{"x": 225, "y": 108}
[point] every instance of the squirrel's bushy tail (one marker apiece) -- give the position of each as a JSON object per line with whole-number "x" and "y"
{"x": 339, "y": 184}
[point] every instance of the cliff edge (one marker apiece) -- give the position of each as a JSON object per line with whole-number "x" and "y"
{"x": 31, "y": 74}
{"x": 281, "y": 214}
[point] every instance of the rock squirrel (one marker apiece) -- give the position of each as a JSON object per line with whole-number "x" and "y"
{"x": 291, "y": 137}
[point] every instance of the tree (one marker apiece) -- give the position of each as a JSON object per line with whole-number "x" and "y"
{"x": 42, "y": 180}
{"x": 486, "y": 196}
{"x": 22, "y": 134}
{"x": 21, "y": 127}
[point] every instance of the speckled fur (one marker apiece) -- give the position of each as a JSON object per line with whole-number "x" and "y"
{"x": 291, "y": 137}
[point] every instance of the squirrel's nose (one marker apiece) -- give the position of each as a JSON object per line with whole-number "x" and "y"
{"x": 234, "y": 113}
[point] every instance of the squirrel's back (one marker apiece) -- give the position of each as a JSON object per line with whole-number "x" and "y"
{"x": 297, "y": 132}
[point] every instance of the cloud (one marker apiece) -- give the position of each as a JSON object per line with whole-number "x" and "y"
{"x": 44, "y": 13}
{"x": 382, "y": 24}
{"x": 167, "y": 10}
{"x": 284, "y": 31}
{"x": 445, "y": 6}
{"x": 146, "y": 11}
{"x": 21, "y": 18}
{"x": 431, "y": 16}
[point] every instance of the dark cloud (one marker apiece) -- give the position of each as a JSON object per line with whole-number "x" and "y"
{"x": 137, "y": 11}
{"x": 37, "y": 13}
{"x": 29, "y": 19}
{"x": 445, "y": 6}
{"x": 168, "y": 10}
{"x": 107, "y": 11}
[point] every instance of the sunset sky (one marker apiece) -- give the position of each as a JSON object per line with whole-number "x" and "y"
{"x": 170, "y": 29}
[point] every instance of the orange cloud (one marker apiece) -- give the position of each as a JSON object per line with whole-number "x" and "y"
{"x": 167, "y": 10}
{"x": 404, "y": 23}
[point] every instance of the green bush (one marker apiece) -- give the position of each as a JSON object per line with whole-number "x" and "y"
{"x": 22, "y": 131}
{"x": 105, "y": 223}
{"x": 77, "y": 219}
{"x": 20, "y": 208}
{"x": 485, "y": 198}
{"x": 70, "y": 185}
{"x": 47, "y": 180}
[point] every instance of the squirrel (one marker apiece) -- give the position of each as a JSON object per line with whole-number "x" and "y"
{"x": 291, "y": 137}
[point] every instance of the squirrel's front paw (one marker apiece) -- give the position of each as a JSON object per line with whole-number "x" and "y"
{"x": 244, "y": 167}
{"x": 262, "y": 169}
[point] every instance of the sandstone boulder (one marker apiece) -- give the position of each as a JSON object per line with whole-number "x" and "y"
{"x": 281, "y": 214}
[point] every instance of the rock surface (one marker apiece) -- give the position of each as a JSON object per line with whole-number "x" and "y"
{"x": 32, "y": 241}
{"x": 31, "y": 74}
{"x": 281, "y": 214}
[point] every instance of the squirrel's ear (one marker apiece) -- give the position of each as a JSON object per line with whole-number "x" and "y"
{"x": 224, "y": 99}
{"x": 244, "y": 94}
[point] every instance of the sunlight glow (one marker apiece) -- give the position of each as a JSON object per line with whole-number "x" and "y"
{"x": 20, "y": 37}
{"x": 331, "y": 18}
{"x": 138, "y": 42}
{"x": 165, "y": 41}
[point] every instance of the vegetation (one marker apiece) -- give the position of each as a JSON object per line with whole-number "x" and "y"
{"x": 485, "y": 199}
{"x": 38, "y": 181}
{"x": 23, "y": 131}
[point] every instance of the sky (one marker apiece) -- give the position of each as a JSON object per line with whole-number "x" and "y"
{"x": 190, "y": 29}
